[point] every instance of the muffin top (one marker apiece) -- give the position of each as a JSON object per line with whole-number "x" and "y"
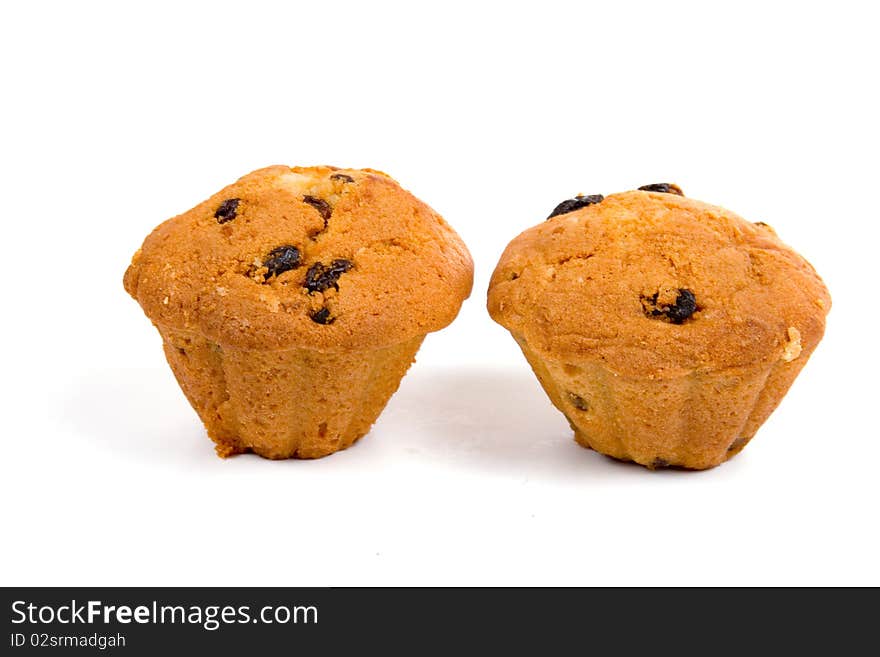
{"x": 651, "y": 283}
{"x": 314, "y": 257}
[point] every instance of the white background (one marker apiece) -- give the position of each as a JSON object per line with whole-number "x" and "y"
{"x": 116, "y": 117}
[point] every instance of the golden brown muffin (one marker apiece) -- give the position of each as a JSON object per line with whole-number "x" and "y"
{"x": 665, "y": 329}
{"x": 292, "y": 302}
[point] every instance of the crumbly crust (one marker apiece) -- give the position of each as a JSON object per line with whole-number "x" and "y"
{"x": 236, "y": 272}
{"x": 598, "y": 284}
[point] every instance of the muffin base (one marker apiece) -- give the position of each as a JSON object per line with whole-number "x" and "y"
{"x": 695, "y": 421}
{"x": 293, "y": 403}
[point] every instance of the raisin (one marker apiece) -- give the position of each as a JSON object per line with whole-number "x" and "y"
{"x": 659, "y": 463}
{"x": 664, "y": 188}
{"x": 321, "y": 316}
{"x": 576, "y": 203}
{"x": 227, "y": 211}
{"x": 320, "y": 277}
{"x": 282, "y": 259}
{"x": 578, "y": 402}
{"x": 343, "y": 177}
{"x": 685, "y": 305}
{"x": 320, "y": 205}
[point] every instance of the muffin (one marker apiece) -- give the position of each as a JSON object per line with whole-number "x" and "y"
{"x": 292, "y": 302}
{"x": 666, "y": 330}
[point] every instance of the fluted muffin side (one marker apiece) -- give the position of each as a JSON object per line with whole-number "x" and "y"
{"x": 291, "y": 403}
{"x": 695, "y": 420}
